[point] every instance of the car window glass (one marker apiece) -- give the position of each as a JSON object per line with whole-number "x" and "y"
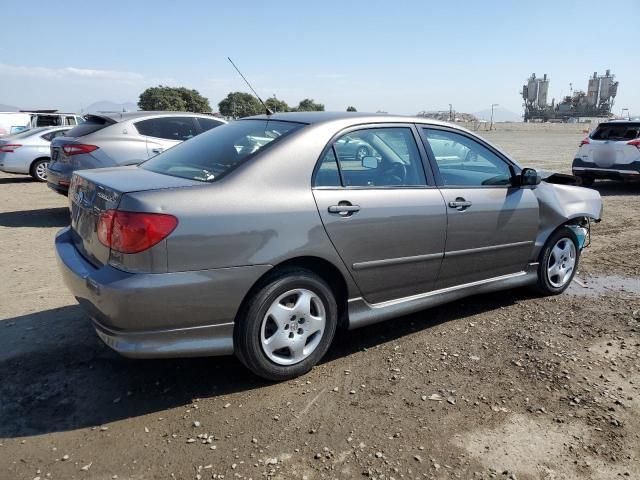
{"x": 170, "y": 128}
{"x": 71, "y": 120}
{"x": 327, "y": 174}
{"x": 616, "y": 131}
{"x": 208, "y": 123}
{"x": 380, "y": 157}
{"x": 208, "y": 157}
{"x": 462, "y": 161}
{"x": 48, "y": 120}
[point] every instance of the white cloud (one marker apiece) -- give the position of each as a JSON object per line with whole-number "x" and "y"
{"x": 69, "y": 72}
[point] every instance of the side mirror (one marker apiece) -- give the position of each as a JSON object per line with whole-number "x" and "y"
{"x": 529, "y": 177}
{"x": 370, "y": 162}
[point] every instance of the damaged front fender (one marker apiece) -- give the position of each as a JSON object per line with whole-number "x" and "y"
{"x": 561, "y": 204}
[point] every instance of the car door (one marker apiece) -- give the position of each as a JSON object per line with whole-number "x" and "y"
{"x": 163, "y": 133}
{"x": 491, "y": 224}
{"x": 382, "y": 213}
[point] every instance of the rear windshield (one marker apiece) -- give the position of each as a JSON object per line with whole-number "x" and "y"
{"x": 28, "y": 133}
{"x": 617, "y": 131}
{"x": 212, "y": 154}
{"x": 91, "y": 124}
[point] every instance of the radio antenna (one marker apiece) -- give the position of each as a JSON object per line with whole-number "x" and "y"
{"x": 267, "y": 109}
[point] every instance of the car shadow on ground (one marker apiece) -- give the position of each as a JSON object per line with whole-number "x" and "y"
{"x": 16, "y": 180}
{"x": 612, "y": 189}
{"x": 43, "y": 217}
{"x": 63, "y": 378}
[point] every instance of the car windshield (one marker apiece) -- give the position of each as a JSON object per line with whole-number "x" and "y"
{"x": 212, "y": 154}
{"x": 617, "y": 131}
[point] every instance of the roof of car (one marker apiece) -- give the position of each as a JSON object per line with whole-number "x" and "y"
{"x": 123, "y": 116}
{"x": 360, "y": 117}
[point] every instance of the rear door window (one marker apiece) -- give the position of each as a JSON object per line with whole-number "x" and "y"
{"x": 169, "y": 128}
{"x": 48, "y": 120}
{"x": 617, "y": 131}
{"x": 71, "y": 120}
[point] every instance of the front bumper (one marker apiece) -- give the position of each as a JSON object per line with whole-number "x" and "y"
{"x": 630, "y": 171}
{"x": 149, "y": 315}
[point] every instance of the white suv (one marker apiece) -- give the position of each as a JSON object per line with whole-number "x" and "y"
{"x": 611, "y": 151}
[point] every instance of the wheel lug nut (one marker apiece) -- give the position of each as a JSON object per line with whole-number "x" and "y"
{"x": 286, "y": 327}
{"x": 291, "y": 335}
{"x": 301, "y": 321}
{"x": 300, "y": 331}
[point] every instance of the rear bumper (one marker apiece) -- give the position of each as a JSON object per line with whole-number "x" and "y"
{"x": 59, "y": 178}
{"x": 161, "y": 314}
{"x": 629, "y": 171}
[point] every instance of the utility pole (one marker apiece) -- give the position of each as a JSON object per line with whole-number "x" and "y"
{"x": 491, "y": 123}
{"x": 450, "y": 113}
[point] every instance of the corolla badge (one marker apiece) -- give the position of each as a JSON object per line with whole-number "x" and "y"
{"x": 108, "y": 197}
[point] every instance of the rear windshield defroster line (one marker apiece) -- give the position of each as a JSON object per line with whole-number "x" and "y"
{"x": 213, "y": 154}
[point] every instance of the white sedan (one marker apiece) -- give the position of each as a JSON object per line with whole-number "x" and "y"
{"x": 28, "y": 152}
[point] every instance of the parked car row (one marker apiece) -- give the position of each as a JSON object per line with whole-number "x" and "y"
{"x": 28, "y": 152}
{"x": 16, "y": 122}
{"x": 117, "y": 139}
{"x": 262, "y": 236}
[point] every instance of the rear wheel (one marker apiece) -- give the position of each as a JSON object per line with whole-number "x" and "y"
{"x": 38, "y": 169}
{"x": 558, "y": 262}
{"x": 287, "y": 326}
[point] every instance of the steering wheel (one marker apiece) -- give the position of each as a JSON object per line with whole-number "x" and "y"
{"x": 395, "y": 174}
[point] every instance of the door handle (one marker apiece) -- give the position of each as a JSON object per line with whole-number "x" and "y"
{"x": 344, "y": 209}
{"x": 460, "y": 204}
{"x": 157, "y": 150}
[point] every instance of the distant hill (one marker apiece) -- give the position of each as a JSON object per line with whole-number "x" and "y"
{"x": 108, "y": 106}
{"x": 8, "y": 108}
{"x": 499, "y": 115}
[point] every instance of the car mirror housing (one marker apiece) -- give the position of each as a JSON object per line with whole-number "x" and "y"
{"x": 370, "y": 162}
{"x": 529, "y": 177}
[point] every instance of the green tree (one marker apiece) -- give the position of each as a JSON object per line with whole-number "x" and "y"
{"x": 277, "y": 105}
{"x": 173, "y": 99}
{"x": 308, "y": 105}
{"x": 351, "y": 109}
{"x": 240, "y": 104}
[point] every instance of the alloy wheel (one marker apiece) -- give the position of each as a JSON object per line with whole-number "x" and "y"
{"x": 293, "y": 326}
{"x": 561, "y": 263}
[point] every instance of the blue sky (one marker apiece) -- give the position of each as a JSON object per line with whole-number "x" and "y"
{"x": 398, "y": 56}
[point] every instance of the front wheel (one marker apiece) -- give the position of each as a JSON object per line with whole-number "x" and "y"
{"x": 558, "y": 262}
{"x": 38, "y": 170}
{"x": 287, "y": 326}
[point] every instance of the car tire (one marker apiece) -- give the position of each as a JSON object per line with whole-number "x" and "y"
{"x": 361, "y": 152}
{"x": 38, "y": 169}
{"x": 286, "y": 325}
{"x": 586, "y": 181}
{"x": 558, "y": 262}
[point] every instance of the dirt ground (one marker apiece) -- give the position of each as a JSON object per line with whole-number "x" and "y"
{"x": 496, "y": 386}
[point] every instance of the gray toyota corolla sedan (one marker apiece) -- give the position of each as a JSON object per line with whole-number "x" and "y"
{"x": 257, "y": 238}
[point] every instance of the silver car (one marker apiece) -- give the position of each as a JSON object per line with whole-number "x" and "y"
{"x": 28, "y": 152}
{"x": 108, "y": 140}
{"x": 259, "y": 239}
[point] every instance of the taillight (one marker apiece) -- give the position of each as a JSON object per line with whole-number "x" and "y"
{"x": 635, "y": 143}
{"x": 78, "y": 148}
{"x": 585, "y": 142}
{"x": 133, "y": 232}
{"x": 9, "y": 148}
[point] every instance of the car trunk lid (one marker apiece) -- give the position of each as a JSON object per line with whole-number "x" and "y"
{"x": 93, "y": 192}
